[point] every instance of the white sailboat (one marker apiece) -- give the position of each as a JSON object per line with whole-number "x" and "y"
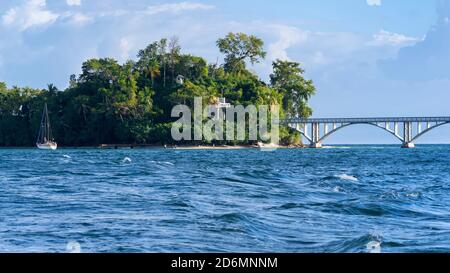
{"x": 45, "y": 139}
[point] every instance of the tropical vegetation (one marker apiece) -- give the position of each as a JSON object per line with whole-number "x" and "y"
{"x": 131, "y": 102}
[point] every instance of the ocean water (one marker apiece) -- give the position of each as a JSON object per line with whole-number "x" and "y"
{"x": 340, "y": 199}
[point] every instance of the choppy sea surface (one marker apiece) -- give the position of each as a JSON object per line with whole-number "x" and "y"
{"x": 340, "y": 199}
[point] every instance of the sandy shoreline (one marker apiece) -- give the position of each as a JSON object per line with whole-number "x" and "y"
{"x": 202, "y": 147}
{"x": 231, "y": 147}
{"x": 199, "y": 147}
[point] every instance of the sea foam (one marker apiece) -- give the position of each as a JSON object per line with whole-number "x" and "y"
{"x": 336, "y": 147}
{"x": 73, "y": 247}
{"x": 347, "y": 177}
{"x": 374, "y": 247}
{"x": 126, "y": 160}
{"x": 162, "y": 163}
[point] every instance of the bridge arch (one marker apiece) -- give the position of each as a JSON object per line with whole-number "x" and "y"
{"x": 360, "y": 123}
{"x": 429, "y": 129}
{"x": 303, "y": 134}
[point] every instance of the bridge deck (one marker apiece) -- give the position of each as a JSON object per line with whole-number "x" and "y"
{"x": 365, "y": 120}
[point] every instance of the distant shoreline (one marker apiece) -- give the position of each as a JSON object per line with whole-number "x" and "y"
{"x": 170, "y": 147}
{"x": 205, "y": 147}
{"x": 197, "y": 147}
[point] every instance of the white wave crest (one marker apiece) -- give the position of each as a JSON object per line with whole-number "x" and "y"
{"x": 374, "y": 247}
{"x": 66, "y": 159}
{"x": 163, "y": 163}
{"x": 413, "y": 194}
{"x": 73, "y": 247}
{"x": 336, "y": 147}
{"x": 347, "y": 177}
{"x": 126, "y": 160}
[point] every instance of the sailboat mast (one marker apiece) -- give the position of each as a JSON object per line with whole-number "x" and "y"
{"x": 47, "y": 123}
{"x": 41, "y": 134}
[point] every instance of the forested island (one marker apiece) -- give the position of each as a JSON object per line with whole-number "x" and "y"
{"x": 131, "y": 103}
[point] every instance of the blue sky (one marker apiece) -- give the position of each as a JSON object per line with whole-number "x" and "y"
{"x": 366, "y": 57}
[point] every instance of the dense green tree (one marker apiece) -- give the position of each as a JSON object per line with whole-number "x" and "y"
{"x": 288, "y": 79}
{"x": 3, "y": 88}
{"x": 148, "y": 63}
{"x": 239, "y": 47}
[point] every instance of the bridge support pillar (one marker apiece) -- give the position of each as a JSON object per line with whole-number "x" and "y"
{"x": 408, "y": 145}
{"x": 317, "y": 145}
{"x": 315, "y": 136}
{"x": 408, "y": 135}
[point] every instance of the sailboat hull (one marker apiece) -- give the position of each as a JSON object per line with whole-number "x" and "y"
{"x": 47, "y": 146}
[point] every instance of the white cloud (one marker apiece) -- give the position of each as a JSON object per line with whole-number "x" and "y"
{"x": 9, "y": 17}
{"x": 32, "y": 13}
{"x": 313, "y": 49}
{"x": 177, "y": 7}
{"x": 122, "y": 36}
{"x": 373, "y": 2}
{"x": 79, "y": 18}
{"x": 386, "y": 38}
{"x": 76, "y": 18}
{"x": 287, "y": 37}
{"x": 428, "y": 59}
{"x": 73, "y": 2}
{"x": 125, "y": 48}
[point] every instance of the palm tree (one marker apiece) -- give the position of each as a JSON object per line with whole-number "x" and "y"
{"x": 152, "y": 70}
{"x": 52, "y": 88}
{"x": 149, "y": 62}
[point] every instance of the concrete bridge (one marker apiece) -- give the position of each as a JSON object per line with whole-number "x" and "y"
{"x": 406, "y": 129}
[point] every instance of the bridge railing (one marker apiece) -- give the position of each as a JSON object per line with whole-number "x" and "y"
{"x": 364, "y": 120}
